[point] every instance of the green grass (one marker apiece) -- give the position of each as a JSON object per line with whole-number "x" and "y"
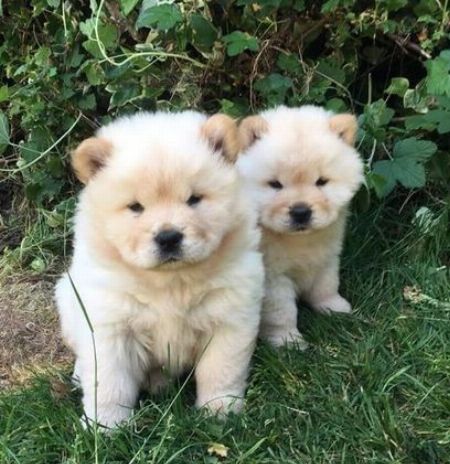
{"x": 373, "y": 387}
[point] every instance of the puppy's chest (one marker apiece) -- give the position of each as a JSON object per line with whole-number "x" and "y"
{"x": 282, "y": 258}
{"x": 170, "y": 325}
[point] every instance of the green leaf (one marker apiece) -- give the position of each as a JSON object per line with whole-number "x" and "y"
{"x": 4, "y": 93}
{"x": 4, "y": 132}
{"x": 163, "y": 17}
{"x": 87, "y": 102}
{"x": 289, "y": 62}
{"x": 378, "y": 114}
{"x": 204, "y": 34}
{"x": 92, "y": 47}
{"x": 274, "y": 87}
{"x": 379, "y": 183}
{"x": 406, "y": 167}
{"x": 394, "y": 5}
{"x": 412, "y": 148}
{"x": 385, "y": 171}
{"x": 438, "y": 78}
{"x": 398, "y": 86}
{"x": 94, "y": 73}
{"x": 127, "y": 6}
{"x": 239, "y": 41}
{"x": 235, "y": 109}
{"x": 124, "y": 94}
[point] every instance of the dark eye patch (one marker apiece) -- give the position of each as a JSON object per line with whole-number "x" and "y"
{"x": 275, "y": 184}
{"x": 321, "y": 181}
{"x": 136, "y": 207}
{"x": 194, "y": 200}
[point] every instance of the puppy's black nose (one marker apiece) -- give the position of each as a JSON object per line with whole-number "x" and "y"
{"x": 300, "y": 214}
{"x": 169, "y": 240}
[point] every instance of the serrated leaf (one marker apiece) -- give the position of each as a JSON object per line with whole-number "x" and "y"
{"x": 4, "y": 132}
{"x": 239, "y": 41}
{"x": 438, "y": 78}
{"x": 406, "y": 167}
{"x": 412, "y": 148}
{"x": 289, "y": 62}
{"x": 163, "y": 17}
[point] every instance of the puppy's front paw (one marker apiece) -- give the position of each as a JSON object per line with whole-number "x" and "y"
{"x": 292, "y": 337}
{"x": 335, "y": 304}
{"x": 222, "y": 406}
{"x": 107, "y": 417}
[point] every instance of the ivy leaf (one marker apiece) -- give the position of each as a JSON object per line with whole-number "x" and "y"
{"x": 407, "y": 165}
{"x": 163, "y": 17}
{"x": 239, "y": 41}
{"x": 4, "y": 132}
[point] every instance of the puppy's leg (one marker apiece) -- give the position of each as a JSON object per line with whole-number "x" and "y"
{"x": 279, "y": 316}
{"x": 222, "y": 369}
{"x": 323, "y": 295}
{"x": 118, "y": 380}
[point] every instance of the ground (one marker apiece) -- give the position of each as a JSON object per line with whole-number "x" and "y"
{"x": 372, "y": 388}
{"x": 29, "y": 333}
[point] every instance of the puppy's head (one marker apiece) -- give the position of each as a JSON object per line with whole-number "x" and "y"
{"x": 161, "y": 189}
{"x": 301, "y": 166}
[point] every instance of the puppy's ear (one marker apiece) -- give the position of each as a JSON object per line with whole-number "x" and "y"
{"x": 345, "y": 125}
{"x": 221, "y": 133}
{"x": 90, "y": 156}
{"x": 251, "y": 129}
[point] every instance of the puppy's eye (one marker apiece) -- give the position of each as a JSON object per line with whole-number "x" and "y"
{"x": 321, "y": 181}
{"x": 136, "y": 207}
{"x": 194, "y": 200}
{"x": 275, "y": 184}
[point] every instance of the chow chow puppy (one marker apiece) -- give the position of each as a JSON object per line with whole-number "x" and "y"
{"x": 301, "y": 169}
{"x": 166, "y": 263}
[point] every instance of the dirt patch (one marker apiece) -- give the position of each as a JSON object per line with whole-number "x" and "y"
{"x": 30, "y": 338}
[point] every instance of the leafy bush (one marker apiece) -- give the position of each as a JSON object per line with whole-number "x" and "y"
{"x": 67, "y": 67}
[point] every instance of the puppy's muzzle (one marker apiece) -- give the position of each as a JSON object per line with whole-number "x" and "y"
{"x": 300, "y": 215}
{"x": 169, "y": 244}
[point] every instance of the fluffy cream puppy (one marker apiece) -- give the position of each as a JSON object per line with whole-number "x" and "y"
{"x": 302, "y": 171}
{"x": 166, "y": 263}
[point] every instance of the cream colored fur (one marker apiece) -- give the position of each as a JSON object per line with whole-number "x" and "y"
{"x": 296, "y": 147}
{"x": 155, "y": 319}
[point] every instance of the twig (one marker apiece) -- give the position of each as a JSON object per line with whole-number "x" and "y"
{"x": 405, "y": 44}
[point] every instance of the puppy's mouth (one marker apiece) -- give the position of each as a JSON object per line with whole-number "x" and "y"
{"x": 172, "y": 257}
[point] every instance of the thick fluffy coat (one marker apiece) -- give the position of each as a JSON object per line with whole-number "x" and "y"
{"x": 165, "y": 263}
{"x": 301, "y": 170}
